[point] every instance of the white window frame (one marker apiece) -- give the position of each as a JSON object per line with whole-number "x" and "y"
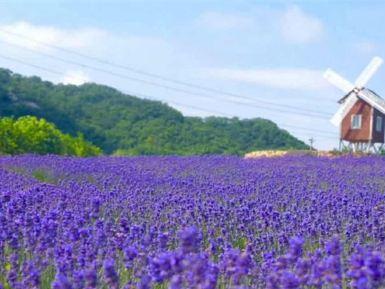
{"x": 359, "y": 120}
{"x": 379, "y": 122}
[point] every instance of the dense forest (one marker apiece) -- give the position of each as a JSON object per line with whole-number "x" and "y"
{"x": 125, "y": 124}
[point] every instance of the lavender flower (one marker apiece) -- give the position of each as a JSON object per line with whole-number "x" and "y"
{"x": 192, "y": 222}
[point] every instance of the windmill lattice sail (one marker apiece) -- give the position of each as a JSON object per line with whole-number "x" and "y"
{"x": 368, "y": 72}
{"x": 343, "y": 110}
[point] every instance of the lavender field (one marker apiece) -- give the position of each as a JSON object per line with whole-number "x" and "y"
{"x": 192, "y": 222}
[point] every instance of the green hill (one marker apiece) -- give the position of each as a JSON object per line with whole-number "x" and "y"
{"x": 122, "y": 123}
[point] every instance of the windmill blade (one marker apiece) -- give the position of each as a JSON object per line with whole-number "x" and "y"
{"x": 373, "y": 99}
{"x": 344, "y": 109}
{"x": 338, "y": 81}
{"x": 368, "y": 72}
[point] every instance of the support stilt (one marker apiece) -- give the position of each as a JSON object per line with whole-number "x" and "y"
{"x": 361, "y": 147}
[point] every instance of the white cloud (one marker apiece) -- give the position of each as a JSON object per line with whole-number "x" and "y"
{"x": 365, "y": 47}
{"x": 145, "y": 52}
{"x": 76, "y": 77}
{"x": 293, "y": 25}
{"x": 298, "y": 27}
{"x": 31, "y": 36}
{"x": 291, "y": 78}
{"x": 224, "y": 21}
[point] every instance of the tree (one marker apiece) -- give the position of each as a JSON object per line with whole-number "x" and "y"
{"x": 29, "y": 134}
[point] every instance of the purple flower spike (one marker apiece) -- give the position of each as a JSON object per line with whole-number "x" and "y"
{"x": 61, "y": 282}
{"x": 295, "y": 244}
{"x": 110, "y": 274}
{"x": 333, "y": 247}
{"x": 190, "y": 239}
{"x": 91, "y": 279}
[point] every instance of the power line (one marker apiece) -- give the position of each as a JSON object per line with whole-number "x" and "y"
{"x": 324, "y": 134}
{"x": 30, "y": 64}
{"x": 146, "y": 96}
{"x": 207, "y": 89}
{"x": 164, "y": 86}
{"x": 328, "y": 133}
{"x": 220, "y": 112}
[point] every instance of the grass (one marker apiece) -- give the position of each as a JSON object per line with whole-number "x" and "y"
{"x": 44, "y": 176}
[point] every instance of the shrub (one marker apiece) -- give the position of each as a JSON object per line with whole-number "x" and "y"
{"x": 29, "y": 134}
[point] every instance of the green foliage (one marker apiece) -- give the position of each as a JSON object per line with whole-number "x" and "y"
{"x": 125, "y": 124}
{"x": 29, "y": 134}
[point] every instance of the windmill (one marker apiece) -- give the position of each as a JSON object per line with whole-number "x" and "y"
{"x": 361, "y": 114}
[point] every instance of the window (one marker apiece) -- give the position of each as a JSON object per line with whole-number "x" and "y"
{"x": 356, "y": 121}
{"x": 379, "y": 124}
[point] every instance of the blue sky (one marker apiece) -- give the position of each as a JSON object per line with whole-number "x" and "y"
{"x": 265, "y": 51}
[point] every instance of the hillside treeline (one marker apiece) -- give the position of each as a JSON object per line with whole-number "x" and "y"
{"x": 124, "y": 124}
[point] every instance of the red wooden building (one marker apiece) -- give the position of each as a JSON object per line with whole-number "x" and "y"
{"x": 363, "y": 125}
{"x": 361, "y": 115}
